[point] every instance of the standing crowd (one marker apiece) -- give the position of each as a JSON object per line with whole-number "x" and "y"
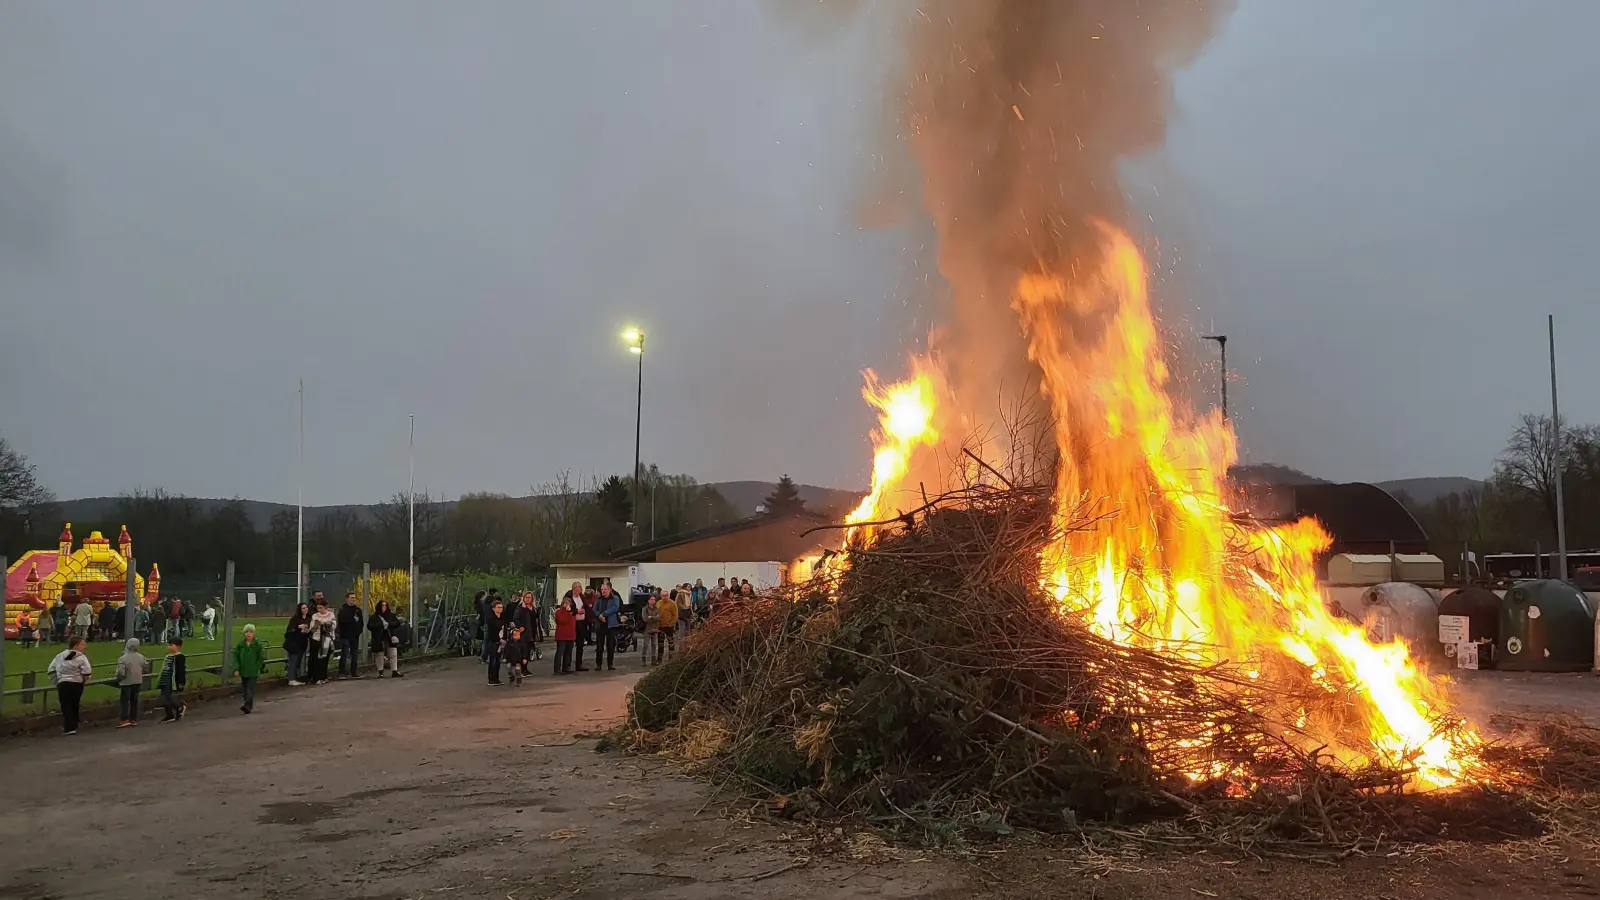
{"x": 314, "y": 636}
{"x": 73, "y": 617}
{"x": 597, "y": 617}
{"x": 316, "y": 633}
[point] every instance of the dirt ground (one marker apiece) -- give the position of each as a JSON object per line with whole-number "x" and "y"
{"x": 437, "y": 786}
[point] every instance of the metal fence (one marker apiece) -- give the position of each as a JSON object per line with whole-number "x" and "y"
{"x": 447, "y": 616}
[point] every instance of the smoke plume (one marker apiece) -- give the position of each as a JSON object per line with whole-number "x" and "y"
{"x": 1018, "y": 113}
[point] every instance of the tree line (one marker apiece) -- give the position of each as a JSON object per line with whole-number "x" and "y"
{"x": 1515, "y": 510}
{"x": 558, "y": 521}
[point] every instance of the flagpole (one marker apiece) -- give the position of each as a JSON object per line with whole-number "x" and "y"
{"x": 300, "y": 504}
{"x": 411, "y": 525}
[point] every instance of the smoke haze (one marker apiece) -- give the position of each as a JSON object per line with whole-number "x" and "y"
{"x": 1019, "y": 112}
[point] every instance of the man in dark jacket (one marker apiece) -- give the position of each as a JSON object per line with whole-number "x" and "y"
{"x": 352, "y": 625}
{"x": 108, "y": 621}
{"x": 488, "y": 621}
{"x": 158, "y": 622}
{"x": 59, "y": 618}
{"x": 607, "y": 615}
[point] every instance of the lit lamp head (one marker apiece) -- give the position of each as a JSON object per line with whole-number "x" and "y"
{"x": 634, "y": 339}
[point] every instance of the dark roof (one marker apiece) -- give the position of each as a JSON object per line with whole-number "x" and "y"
{"x": 643, "y": 552}
{"x": 1358, "y": 513}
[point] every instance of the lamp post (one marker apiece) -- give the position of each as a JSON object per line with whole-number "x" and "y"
{"x": 1222, "y": 344}
{"x": 635, "y": 339}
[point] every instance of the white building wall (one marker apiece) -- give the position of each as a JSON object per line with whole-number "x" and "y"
{"x": 663, "y": 574}
{"x": 617, "y": 572}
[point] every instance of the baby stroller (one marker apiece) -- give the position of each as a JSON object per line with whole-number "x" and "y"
{"x": 627, "y": 636}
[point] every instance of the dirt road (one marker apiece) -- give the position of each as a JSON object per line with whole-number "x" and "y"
{"x": 437, "y": 786}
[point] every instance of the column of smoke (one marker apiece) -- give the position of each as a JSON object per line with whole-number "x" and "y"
{"x": 1018, "y": 113}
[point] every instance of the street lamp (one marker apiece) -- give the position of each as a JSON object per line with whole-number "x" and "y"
{"x": 635, "y": 341}
{"x": 1222, "y": 344}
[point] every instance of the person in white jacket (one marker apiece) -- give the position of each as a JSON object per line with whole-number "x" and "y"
{"x": 70, "y": 670}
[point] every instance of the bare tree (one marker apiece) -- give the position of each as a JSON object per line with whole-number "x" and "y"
{"x": 19, "y": 486}
{"x": 1527, "y": 465}
{"x": 391, "y": 530}
{"x": 561, "y": 520}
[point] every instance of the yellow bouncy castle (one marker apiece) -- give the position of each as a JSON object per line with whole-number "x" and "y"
{"x": 98, "y": 572}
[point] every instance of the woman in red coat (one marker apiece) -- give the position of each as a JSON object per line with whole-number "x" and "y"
{"x": 566, "y": 635}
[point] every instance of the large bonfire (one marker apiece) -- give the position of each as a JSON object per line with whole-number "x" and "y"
{"x": 1050, "y": 609}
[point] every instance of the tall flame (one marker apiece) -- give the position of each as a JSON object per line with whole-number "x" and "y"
{"x": 1165, "y": 562}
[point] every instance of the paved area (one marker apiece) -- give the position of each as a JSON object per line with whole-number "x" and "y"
{"x": 436, "y": 786}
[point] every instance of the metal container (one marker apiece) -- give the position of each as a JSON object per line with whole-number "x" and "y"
{"x": 1399, "y": 611}
{"x": 1546, "y": 626}
{"x": 1480, "y": 607}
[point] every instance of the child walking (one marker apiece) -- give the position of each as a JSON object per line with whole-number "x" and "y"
{"x": 131, "y": 669}
{"x": 174, "y": 675}
{"x": 249, "y": 658}
{"x": 566, "y": 635}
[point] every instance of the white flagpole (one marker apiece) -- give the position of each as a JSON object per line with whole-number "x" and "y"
{"x": 411, "y": 529}
{"x": 300, "y": 504}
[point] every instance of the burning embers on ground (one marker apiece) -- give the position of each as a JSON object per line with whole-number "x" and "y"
{"x": 1045, "y": 612}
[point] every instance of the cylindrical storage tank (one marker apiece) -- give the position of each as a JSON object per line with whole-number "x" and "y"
{"x": 1546, "y": 626}
{"x": 1398, "y": 611}
{"x": 1481, "y": 608}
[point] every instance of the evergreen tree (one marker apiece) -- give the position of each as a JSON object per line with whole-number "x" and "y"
{"x": 785, "y": 497}
{"x": 615, "y": 499}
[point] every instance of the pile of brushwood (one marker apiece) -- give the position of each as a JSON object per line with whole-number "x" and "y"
{"x": 932, "y": 688}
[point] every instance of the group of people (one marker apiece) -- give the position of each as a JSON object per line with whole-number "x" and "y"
{"x": 511, "y": 633}
{"x": 70, "y": 671}
{"x": 595, "y": 617}
{"x": 73, "y": 617}
{"x": 316, "y": 632}
{"x": 315, "y": 635}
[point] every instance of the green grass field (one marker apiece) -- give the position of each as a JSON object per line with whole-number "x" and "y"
{"x": 200, "y": 653}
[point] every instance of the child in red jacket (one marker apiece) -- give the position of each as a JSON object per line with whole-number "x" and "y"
{"x": 566, "y": 635}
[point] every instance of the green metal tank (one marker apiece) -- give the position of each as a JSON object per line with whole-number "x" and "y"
{"x": 1546, "y": 626}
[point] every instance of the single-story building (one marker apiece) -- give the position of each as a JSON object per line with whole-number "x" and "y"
{"x": 761, "y": 548}
{"x": 1362, "y": 519}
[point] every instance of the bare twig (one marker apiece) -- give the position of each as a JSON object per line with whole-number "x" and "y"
{"x": 800, "y": 863}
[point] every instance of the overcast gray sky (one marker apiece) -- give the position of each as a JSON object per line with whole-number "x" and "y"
{"x": 453, "y": 209}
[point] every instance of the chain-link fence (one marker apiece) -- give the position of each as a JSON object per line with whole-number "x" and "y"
{"x": 210, "y": 615}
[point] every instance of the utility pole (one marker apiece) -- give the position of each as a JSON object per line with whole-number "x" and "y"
{"x": 1555, "y": 442}
{"x": 1222, "y": 345}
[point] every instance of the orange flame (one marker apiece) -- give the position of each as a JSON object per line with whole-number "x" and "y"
{"x": 1166, "y": 563}
{"x": 905, "y": 423}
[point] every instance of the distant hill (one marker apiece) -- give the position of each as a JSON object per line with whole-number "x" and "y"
{"x": 747, "y": 495}
{"x": 1427, "y": 490}
{"x": 1272, "y": 473}
{"x": 744, "y": 495}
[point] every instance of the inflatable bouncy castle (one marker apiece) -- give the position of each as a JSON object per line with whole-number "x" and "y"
{"x": 96, "y": 570}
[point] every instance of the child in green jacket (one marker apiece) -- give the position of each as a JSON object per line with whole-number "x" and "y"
{"x": 249, "y": 658}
